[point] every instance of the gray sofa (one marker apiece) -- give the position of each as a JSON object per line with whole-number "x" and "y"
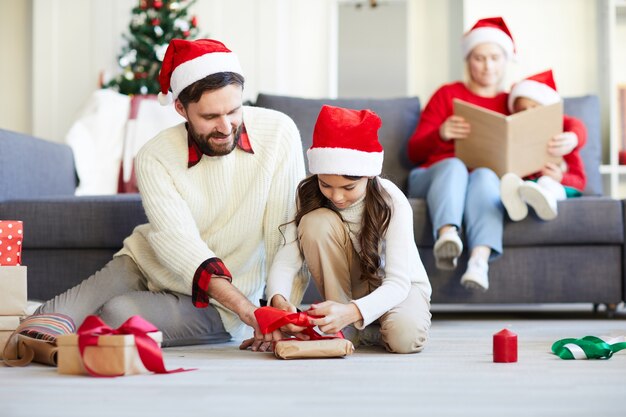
{"x": 576, "y": 258}
{"x": 66, "y": 238}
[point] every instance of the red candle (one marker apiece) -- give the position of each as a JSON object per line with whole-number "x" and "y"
{"x": 505, "y": 346}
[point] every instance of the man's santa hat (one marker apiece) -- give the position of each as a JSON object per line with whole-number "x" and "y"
{"x": 539, "y": 87}
{"x": 489, "y": 30}
{"x": 186, "y": 62}
{"x": 345, "y": 142}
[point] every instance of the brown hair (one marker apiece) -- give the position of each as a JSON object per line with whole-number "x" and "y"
{"x": 193, "y": 92}
{"x": 374, "y": 224}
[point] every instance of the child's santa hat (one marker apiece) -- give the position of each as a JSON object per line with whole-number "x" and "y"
{"x": 345, "y": 142}
{"x": 489, "y": 30}
{"x": 539, "y": 87}
{"x": 186, "y": 62}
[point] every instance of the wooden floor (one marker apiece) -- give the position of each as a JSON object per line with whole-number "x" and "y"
{"x": 454, "y": 376}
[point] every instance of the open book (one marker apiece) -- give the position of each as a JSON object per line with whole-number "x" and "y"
{"x": 517, "y": 143}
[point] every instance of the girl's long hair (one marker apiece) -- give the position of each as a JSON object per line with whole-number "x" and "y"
{"x": 374, "y": 224}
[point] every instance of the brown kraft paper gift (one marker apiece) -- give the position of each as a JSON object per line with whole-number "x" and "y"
{"x": 301, "y": 349}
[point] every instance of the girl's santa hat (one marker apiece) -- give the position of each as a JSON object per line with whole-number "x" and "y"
{"x": 186, "y": 62}
{"x": 539, "y": 87}
{"x": 345, "y": 142}
{"x": 489, "y": 30}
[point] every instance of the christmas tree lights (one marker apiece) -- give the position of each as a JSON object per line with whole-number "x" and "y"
{"x": 154, "y": 23}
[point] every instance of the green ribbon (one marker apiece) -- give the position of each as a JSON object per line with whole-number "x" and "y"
{"x": 593, "y": 347}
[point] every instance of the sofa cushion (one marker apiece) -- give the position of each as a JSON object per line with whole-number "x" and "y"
{"x": 587, "y": 109}
{"x": 34, "y": 167}
{"x": 399, "y": 116}
{"x": 581, "y": 221}
{"x": 76, "y": 222}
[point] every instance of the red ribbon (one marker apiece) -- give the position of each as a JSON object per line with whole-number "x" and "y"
{"x": 149, "y": 351}
{"x": 271, "y": 318}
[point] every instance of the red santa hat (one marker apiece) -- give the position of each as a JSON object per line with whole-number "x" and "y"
{"x": 489, "y": 30}
{"x": 539, "y": 87}
{"x": 186, "y": 62}
{"x": 345, "y": 142}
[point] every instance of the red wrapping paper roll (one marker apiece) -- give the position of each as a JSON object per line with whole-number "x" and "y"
{"x": 505, "y": 346}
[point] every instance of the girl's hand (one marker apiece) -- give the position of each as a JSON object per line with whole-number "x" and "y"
{"x": 279, "y": 302}
{"x": 335, "y": 316}
{"x": 553, "y": 171}
{"x": 455, "y": 127}
{"x": 562, "y": 144}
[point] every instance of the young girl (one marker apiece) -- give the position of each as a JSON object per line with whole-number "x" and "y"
{"x": 354, "y": 230}
{"x": 554, "y": 182}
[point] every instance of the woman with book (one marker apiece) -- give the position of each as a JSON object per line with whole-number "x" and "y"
{"x": 554, "y": 182}
{"x": 456, "y": 197}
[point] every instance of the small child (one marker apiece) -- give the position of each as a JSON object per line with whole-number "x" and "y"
{"x": 554, "y": 182}
{"x": 354, "y": 230}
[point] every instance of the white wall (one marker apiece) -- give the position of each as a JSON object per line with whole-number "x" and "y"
{"x": 15, "y": 65}
{"x": 557, "y": 34}
{"x": 286, "y": 47}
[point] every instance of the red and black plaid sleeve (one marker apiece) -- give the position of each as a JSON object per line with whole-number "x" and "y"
{"x": 202, "y": 277}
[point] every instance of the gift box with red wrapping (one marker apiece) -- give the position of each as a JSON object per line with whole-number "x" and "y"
{"x": 11, "y": 235}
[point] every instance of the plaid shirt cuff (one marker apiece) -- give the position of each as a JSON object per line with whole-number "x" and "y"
{"x": 202, "y": 277}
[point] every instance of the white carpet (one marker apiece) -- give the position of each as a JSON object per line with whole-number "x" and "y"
{"x": 454, "y": 376}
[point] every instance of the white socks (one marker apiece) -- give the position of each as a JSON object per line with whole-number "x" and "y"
{"x": 542, "y": 196}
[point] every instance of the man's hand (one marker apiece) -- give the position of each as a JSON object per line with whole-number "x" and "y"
{"x": 260, "y": 342}
{"x": 553, "y": 171}
{"x": 335, "y": 316}
{"x": 281, "y": 303}
{"x": 562, "y": 144}
{"x": 455, "y": 127}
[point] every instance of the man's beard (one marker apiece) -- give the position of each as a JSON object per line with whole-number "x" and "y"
{"x": 209, "y": 148}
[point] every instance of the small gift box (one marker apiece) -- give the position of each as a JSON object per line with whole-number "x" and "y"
{"x": 8, "y": 324}
{"x": 304, "y": 349}
{"x": 114, "y": 355}
{"x": 98, "y": 350}
{"x": 13, "y": 290}
{"x": 11, "y": 236}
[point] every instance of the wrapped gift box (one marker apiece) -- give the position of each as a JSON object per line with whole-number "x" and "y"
{"x": 11, "y": 236}
{"x": 114, "y": 355}
{"x": 12, "y": 290}
{"x": 8, "y": 324}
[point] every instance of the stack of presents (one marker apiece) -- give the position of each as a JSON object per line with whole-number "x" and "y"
{"x": 12, "y": 283}
{"x": 52, "y": 339}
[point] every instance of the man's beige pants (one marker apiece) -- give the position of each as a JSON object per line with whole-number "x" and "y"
{"x": 335, "y": 268}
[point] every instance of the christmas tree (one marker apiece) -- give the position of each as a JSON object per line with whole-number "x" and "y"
{"x": 153, "y": 25}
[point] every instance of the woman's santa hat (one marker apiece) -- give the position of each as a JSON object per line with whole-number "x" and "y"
{"x": 539, "y": 87}
{"x": 186, "y": 62}
{"x": 345, "y": 142}
{"x": 489, "y": 30}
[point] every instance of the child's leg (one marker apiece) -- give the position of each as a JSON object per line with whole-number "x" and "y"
{"x": 542, "y": 196}
{"x": 330, "y": 256}
{"x": 515, "y": 207}
{"x": 404, "y": 328}
{"x": 554, "y": 187}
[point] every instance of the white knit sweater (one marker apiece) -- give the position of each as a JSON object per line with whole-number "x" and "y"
{"x": 228, "y": 207}
{"x": 401, "y": 263}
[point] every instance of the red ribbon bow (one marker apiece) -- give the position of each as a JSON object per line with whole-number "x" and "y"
{"x": 149, "y": 351}
{"x": 271, "y": 318}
